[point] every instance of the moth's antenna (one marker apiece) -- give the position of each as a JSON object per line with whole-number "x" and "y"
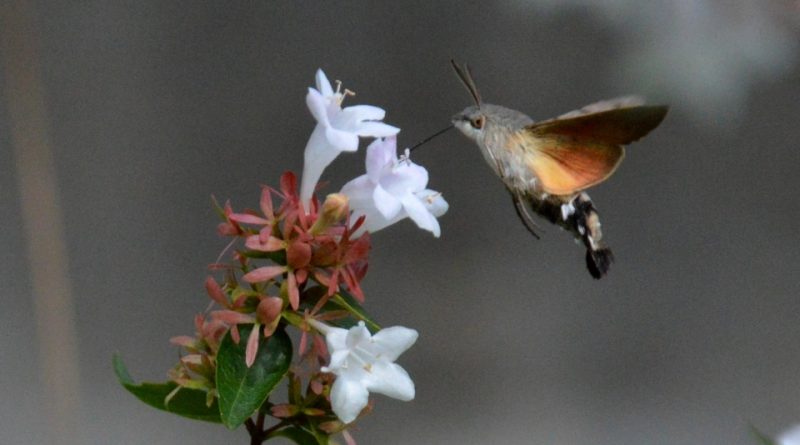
{"x": 465, "y": 74}
{"x": 443, "y": 130}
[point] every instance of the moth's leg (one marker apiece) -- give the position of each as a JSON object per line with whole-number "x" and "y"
{"x": 524, "y": 215}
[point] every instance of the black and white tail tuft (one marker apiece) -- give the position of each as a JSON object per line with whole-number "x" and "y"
{"x": 587, "y": 225}
{"x": 599, "y": 261}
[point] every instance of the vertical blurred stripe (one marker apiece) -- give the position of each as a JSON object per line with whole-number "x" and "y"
{"x": 41, "y": 216}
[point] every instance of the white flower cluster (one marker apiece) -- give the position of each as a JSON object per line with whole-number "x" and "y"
{"x": 392, "y": 189}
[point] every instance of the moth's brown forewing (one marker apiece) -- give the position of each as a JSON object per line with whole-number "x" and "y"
{"x": 570, "y": 154}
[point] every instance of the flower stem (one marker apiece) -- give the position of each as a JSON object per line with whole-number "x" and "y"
{"x": 273, "y": 428}
{"x": 255, "y": 432}
{"x": 256, "y": 429}
{"x": 258, "y": 434}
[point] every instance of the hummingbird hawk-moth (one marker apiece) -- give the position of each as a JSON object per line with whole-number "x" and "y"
{"x": 548, "y": 165}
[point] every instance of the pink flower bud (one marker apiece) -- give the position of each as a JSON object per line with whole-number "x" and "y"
{"x": 183, "y": 340}
{"x": 284, "y": 410}
{"x": 316, "y": 387}
{"x": 269, "y": 309}
{"x": 298, "y": 254}
{"x": 331, "y": 427}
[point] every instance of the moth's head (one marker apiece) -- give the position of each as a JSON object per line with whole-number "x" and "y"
{"x": 472, "y": 122}
{"x": 477, "y": 120}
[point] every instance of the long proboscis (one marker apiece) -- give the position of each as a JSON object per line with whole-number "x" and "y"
{"x": 465, "y": 74}
{"x": 427, "y": 139}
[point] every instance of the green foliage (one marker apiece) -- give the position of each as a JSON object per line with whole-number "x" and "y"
{"x": 189, "y": 403}
{"x": 243, "y": 390}
{"x": 277, "y": 257}
{"x": 348, "y": 303}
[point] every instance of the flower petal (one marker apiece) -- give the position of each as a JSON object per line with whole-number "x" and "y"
{"x": 386, "y": 203}
{"x": 375, "y": 129}
{"x": 350, "y": 118}
{"x": 374, "y": 221}
{"x": 419, "y": 214}
{"x": 364, "y": 113}
{"x": 323, "y": 84}
{"x": 381, "y": 153}
{"x": 358, "y": 192}
{"x": 790, "y": 437}
{"x": 389, "y": 343}
{"x": 348, "y": 398}
{"x": 335, "y": 337}
{"x": 338, "y": 360}
{"x": 434, "y": 202}
{"x": 357, "y": 335}
{"x": 391, "y": 380}
{"x": 341, "y": 140}
{"x": 405, "y": 177}
{"x": 318, "y": 155}
{"x": 316, "y": 105}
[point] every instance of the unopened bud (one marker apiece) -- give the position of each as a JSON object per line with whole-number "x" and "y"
{"x": 269, "y": 309}
{"x": 284, "y": 410}
{"x": 269, "y": 313}
{"x": 332, "y": 426}
{"x": 334, "y": 210}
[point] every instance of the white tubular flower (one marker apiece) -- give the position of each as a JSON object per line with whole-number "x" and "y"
{"x": 364, "y": 363}
{"x": 337, "y": 130}
{"x": 392, "y": 190}
{"x": 789, "y": 437}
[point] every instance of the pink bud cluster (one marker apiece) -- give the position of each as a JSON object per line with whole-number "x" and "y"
{"x": 285, "y": 250}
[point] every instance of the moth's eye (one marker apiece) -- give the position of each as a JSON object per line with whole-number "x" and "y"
{"x": 477, "y": 122}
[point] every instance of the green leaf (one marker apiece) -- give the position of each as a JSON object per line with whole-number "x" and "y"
{"x": 347, "y": 302}
{"x": 243, "y": 390}
{"x": 278, "y": 256}
{"x": 299, "y": 436}
{"x": 762, "y": 438}
{"x": 189, "y": 403}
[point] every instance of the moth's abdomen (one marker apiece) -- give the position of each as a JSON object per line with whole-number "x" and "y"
{"x": 580, "y": 217}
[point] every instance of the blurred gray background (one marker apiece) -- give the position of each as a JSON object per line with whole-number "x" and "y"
{"x": 147, "y": 108}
